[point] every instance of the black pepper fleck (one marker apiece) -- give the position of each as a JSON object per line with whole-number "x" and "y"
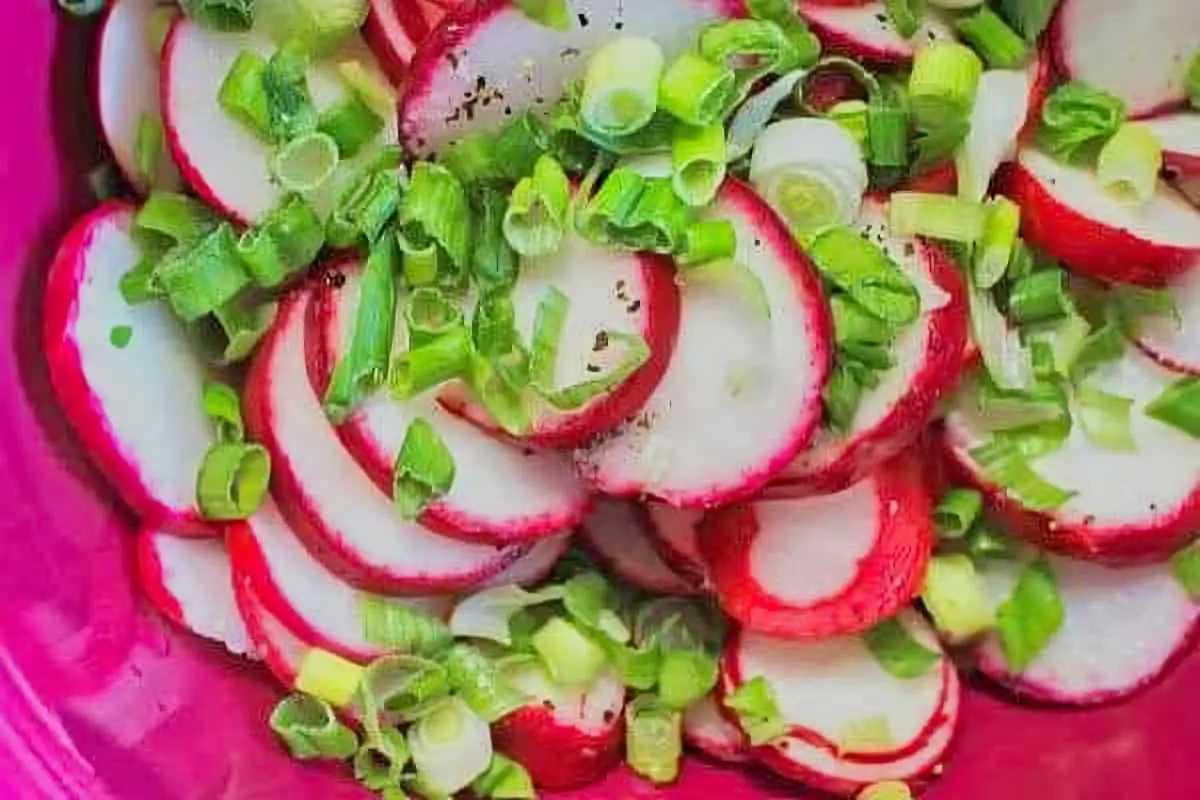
{"x": 601, "y": 343}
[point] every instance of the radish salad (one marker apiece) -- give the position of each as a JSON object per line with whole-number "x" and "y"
{"x": 539, "y": 386}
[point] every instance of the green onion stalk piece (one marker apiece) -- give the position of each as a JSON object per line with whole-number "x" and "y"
{"x": 311, "y": 730}
{"x": 451, "y": 747}
{"x": 757, "y": 708}
{"x": 1007, "y": 360}
{"x": 1129, "y": 164}
{"x": 995, "y": 251}
{"x": 997, "y": 44}
{"x": 620, "y": 90}
{"x": 222, "y": 405}
{"x": 698, "y": 160}
{"x": 317, "y": 26}
{"x": 1030, "y": 616}
{"x": 486, "y": 615}
{"x": 905, "y": 15}
{"x": 306, "y": 163}
{"x": 697, "y": 91}
{"x": 898, "y": 652}
{"x": 352, "y": 124}
{"x": 1077, "y": 121}
{"x": 554, "y": 14}
{"x": 1192, "y": 81}
{"x": 1106, "y": 419}
{"x": 1179, "y": 406}
{"x": 957, "y": 512}
{"x": 504, "y": 780}
{"x": 866, "y": 273}
{"x": 481, "y": 684}
{"x": 329, "y": 677}
{"x": 707, "y": 240}
{"x": 400, "y": 627}
{"x": 379, "y": 764}
{"x": 436, "y": 207}
{"x": 232, "y": 481}
{"x": 284, "y": 244}
{"x": 425, "y": 470}
{"x": 220, "y": 15}
{"x": 570, "y": 657}
{"x": 938, "y": 216}
{"x": 401, "y": 688}
{"x": 369, "y": 86}
{"x": 956, "y": 597}
{"x": 537, "y": 215}
{"x": 1185, "y": 566}
{"x": 291, "y": 113}
{"x": 653, "y": 739}
{"x": 365, "y": 209}
{"x": 1004, "y": 463}
{"x": 942, "y": 86}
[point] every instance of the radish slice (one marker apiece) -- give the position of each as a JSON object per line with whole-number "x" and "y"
{"x": 1140, "y": 55}
{"x": 676, "y": 536}
{"x": 1067, "y": 213}
{"x": 609, "y": 292}
{"x": 1004, "y": 103}
{"x": 502, "y": 494}
{"x": 827, "y": 689}
{"x": 190, "y": 582}
{"x": 1155, "y": 510}
{"x": 865, "y": 31}
{"x": 335, "y": 509}
{"x": 221, "y": 159}
{"x": 282, "y": 650}
{"x": 490, "y": 61}
{"x": 127, "y": 89}
{"x": 393, "y": 30}
{"x": 136, "y": 408}
{"x": 1175, "y": 343}
{"x": 567, "y": 737}
{"x": 535, "y": 566}
{"x": 705, "y": 729}
{"x": 1179, "y": 135}
{"x": 826, "y": 565}
{"x": 300, "y": 592}
{"x": 742, "y": 395}
{"x": 1121, "y": 629}
{"x": 617, "y": 533}
{"x": 928, "y": 363}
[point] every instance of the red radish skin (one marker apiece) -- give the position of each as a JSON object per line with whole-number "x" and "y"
{"x": 1068, "y": 215}
{"x": 189, "y": 581}
{"x": 126, "y": 89}
{"x": 1175, "y": 343}
{"x": 472, "y": 74}
{"x": 535, "y": 566}
{"x": 136, "y": 409}
{"x": 394, "y": 29}
{"x": 864, "y": 32}
{"x": 929, "y": 363}
{"x": 617, "y": 534}
{"x": 706, "y": 729}
{"x": 503, "y": 493}
{"x": 1123, "y": 630}
{"x": 686, "y": 447}
{"x": 282, "y": 650}
{"x": 676, "y": 536}
{"x": 1140, "y": 57}
{"x": 335, "y": 509}
{"x": 566, "y": 738}
{"x": 855, "y": 558}
{"x": 1179, "y": 135}
{"x": 1156, "y": 511}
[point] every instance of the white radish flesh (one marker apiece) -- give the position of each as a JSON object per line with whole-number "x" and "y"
{"x": 1001, "y": 109}
{"x": 1175, "y": 341}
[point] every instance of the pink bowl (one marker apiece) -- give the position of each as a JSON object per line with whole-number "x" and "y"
{"x": 100, "y": 698}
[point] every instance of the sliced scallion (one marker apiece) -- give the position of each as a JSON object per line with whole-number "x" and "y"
{"x": 425, "y": 470}
{"x": 707, "y": 240}
{"x": 898, "y": 652}
{"x": 938, "y": 216}
{"x": 436, "y": 206}
{"x": 148, "y": 147}
{"x": 905, "y": 15}
{"x": 329, "y": 677}
{"x": 305, "y": 163}
{"x": 867, "y": 274}
{"x": 400, "y": 627}
{"x": 481, "y": 684}
{"x": 536, "y": 219}
{"x": 232, "y": 481}
{"x": 653, "y": 739}
{"x": 494, "y": 263}
{"x": 200, "y": 279}
{"x": 504, "y": 780}
{"x": 757, "y": 708}
{"x": 999, "y": 239}
{"x": 1106, "y": 419}
{"x": 1040, "y": 297}
{"x": 1077, "y": 121}
{"x": 955, "y": 595}
{"x": 698, "y": 158}
{"x": 1129, "y": 163}
{"x": 620, "y": 89}
{"x": 697, "y": 91}
{"x": 570, "y": 657}
{"x": 945, "y": 77}
{"x": 1179, "y": 406}
{"x": 1003, "y": 463}
{"x": 352, "y": 124}
{"x": 311, "y": 730}
{"x": 1185, "y": 566}
{"x": 242, "y": 96}
{"x": 1030, "y": 616}
{"x": 446, "y": 357}
{"x": 999, "y": 45}
{"x": 379, "y": 764}
{"x": 451, "y": 747}
{"x": 957, "y": 512}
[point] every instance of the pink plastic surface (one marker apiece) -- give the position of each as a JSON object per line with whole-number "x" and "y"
{"x": 99, "y": 698}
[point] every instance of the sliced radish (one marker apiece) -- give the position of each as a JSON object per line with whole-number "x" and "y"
{"x": 339, "y": 514}
{"x": 675, "y": 532}
{"x": 1006, "y": 102}
{"x": 928, "y": 362}
{"x": 393, "y": 30}
{"x": 742, "y": 395}
{"x": 1141, "y": 57}
{"x": 1128, "y": 505}
{"x": 189, "y": 580}
{"x": 617, "y": 533}
{"x": 490, "y": 61}
{"x": 567, "y": 737}
{"x": 281, "y": 649}
{"x": 535, "y": 566}
{"x": 1067, "y": 213}
{"x": 609, "y": 293}
{"x": 866, "y": 32}
{"x": 1121, "y": 629}
{"x": 136, "y": 408}
{"x": 827, "y": 690}
{"x": 707, "y": 730}
{"x": 1175, "y": 342}
{"x": 826, "y": 565}
{"x": 502, "y": 494}
{"x": 1179, "y": 135}
{"x": 127, "y": 89}
{"x": 221, "y": 159}
{"x": 300, "y": 592}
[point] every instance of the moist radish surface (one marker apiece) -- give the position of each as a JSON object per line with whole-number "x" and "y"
{"x": 545, "y": 389}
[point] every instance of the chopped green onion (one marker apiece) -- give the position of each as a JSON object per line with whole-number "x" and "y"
{"x": 1040, "y": 297}
{"x": 318, "y": 26}
{"x": 854, "y": 325}
{"x": 888, "y": 127}
{"x": 1185, "y": 566}
{"x": 424, "y": 470}
{"x": 242, "y": 96}
{"x": 120, "y": 336}
{"x": 886, "y": 790}
{"x": 291, "y": 113}
{"x": 707, "y": 240}
{"x": 1103, "y": 345}
{"x": 853, "y": 116}
{"x": 200, "y": 279}
{"x": 401, "y": 687}
{"x": 429, "y": 314}
{"x": 937, "y": 144}
{"x": 504, "y": 780}
{"x": 1030, "y": 616}
{"x": 1000, "y": 46}
{"x": 1105, "y": 419}
{"x": 685, "y": 677}
{"x": 956, "y": 597}
{"x": 653, "y": 739}
{"x": 368, "y": 86}
{"x": 726, "y": 273}
{"x": 232, "y": 481}
{"x": 304, "y": 164}
{"x": 148, "y": 147}
{"x": 352, "y": 124}
{"x": 956, "y": 512}
{"x": 1004, "y": 463}
{"x": 783, "y": 13}
{"x": 494, "y": 263}
{"x": 436, "y": 206}
{"x": 284, "y": 244}
{"x": 486, "y": 615}
{"x": 480, "y": 684}
{"x": 1077, "y": 121}
{"x": 570, "y": 657}
{"x": 698, "y": 158}
{"x": 444, "y": 358}
{"x": 675, "y": 623}
{"x": 400, "y": 627}
{"x": 365, "y": 209}
{"x": 554, "y": 14}
{"x": 231, "y": 334}
{"x": 939, "y": 216}
{"x": 222, "y": 405}
{"x": 169, "y": 219}
{"x": 905, "y": 16}
{"x": 585, "y": 598}
{"x": 898, "y": 652}
{"x": 1191, "y": 81}
{"x": 697, "y": 91}
{"x": 1129, "y": 163}
{"x": 754, "y": 49}
{"x": 991, "y": 409}
{"x": 995, "y": 251}
{"x": 865, "y": 272}
{"x": 638, "y": 667}
{"x": 451, "y": 747}
{"x": 329, "y": 677}
{"x": 536, "y": 219}
{"x": 379, "y": 764}
{"x": 985, "y": 542}
{"x": 945, "y": 77}
{"x": 311, "y": 730}
{"x": 1179, "y": 406}
{"x": 1136, "y": 302}
{"x": 519, "y": 145}
{"x": 757, "y": 708}
{"x": 620, "y": 90}
{"x": 472, "y": 159}
{"x": 1030, "y": 17}
{"x": 221, "y": 15}
{"x": 841, "y": 397}
{"x": 506, "y": 404}
{"x": 420, "y": 258}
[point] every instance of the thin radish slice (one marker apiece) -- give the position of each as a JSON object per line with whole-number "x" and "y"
{"x": 1067, "y": 213}
{"x": 830, "y": 690}
{"x": 1122, "y": 628}
{"x": 127, "y": 89}
{"x": 567, "y": 737}
{"x": 136, "y": 408}
{"x": 1179, "y": 135}
{"x": 282, "y": 650}
{"x": 675, "y": 533}
{"x": 1139, "y": 54}
{"x": 1142, "y": 504}
{"x": 300, "y": 592}
{"x": 610, "y": 293}
{"x": 707, "y": 730}
{"x": 617, "y": 534}
{"x": 928, "y": 363}
{"x": 865, "y": 31}
{"x": 742, "y": 395}
{"x": 1172, "y": 341}
{"x": 502, "y": 494}
{"x": 535, "y": 566}
{"x": 490, "y": 61}
{"x": 189, "y": 581}
{"x": 826, "y": 565}
{"x": 1005, "y": 102}
{"x": 221, "y": 159}
{"x": 335, "y": 509}
{"x": 393, "y": 30}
